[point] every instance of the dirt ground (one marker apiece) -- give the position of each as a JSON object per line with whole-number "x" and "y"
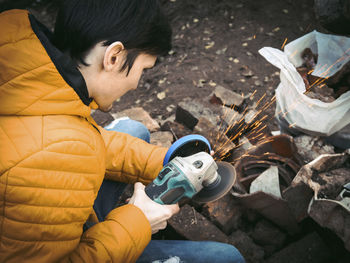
{"x": 217, "y": 43}
{"x": 214, "y": 43}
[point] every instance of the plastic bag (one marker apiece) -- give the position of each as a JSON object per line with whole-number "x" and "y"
{"x": 294, "y": 109}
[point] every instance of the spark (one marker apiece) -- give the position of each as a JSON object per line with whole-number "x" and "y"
{"x": 257, "y": 104}
{"x": 257, "y": 126}
{"x": 252, "y": 95}
{"x": 284, "y": 43}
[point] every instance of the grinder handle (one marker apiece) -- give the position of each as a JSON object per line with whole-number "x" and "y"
{"x": 170, "y": 186}
{"x": 163, "y": 195}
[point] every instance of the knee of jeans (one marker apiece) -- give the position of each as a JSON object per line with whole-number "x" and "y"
{"x": 228, "y": 253}
{"x": 137, "y": 129}
{"x": 237, "y": 258}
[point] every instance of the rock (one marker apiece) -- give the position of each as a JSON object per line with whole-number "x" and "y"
{"x": 251, "y": 116}
{"x": 247, "y": 73}
{"x": 321, "y": 178}
{"x": 177, "y": 129}
{"x": 139, "y": 114}
{"x": 226, "y": 213}
{"x": 267, "y": 182}
{"x": 241, "y": 148}
{"x": 219, "y": 142}
{"x": 251, "y": 252}
{"x": 334, "y": 215}
{"x": 316, "y": 95}
{"x": 194, "y": 226}
{"x": 170, "y": 108}
{"x": 310, "y": 147}
{"x": 331, "y": 182}
{"x": 309, "y": 249}
{"x": 161, "y": 95}
{"x": 231, "y": 117}
{"x": 258, "y": 83}
{"x": 162, "y": 138}
{"x": 189, "y": 111}
{"x": 298, "y": 197}
{"x": 102, "y": 118}
{"x": 267, "y": 234}
{"x": 227, "y": 97}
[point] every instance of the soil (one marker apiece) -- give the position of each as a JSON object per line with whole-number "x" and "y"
{"x": 214, "y": 43}
{"x": 217, "y": 43}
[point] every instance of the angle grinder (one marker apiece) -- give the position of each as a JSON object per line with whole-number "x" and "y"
{"x": 190, "y": 172}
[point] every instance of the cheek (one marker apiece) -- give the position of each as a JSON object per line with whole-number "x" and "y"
{"x": 134, "y": 77}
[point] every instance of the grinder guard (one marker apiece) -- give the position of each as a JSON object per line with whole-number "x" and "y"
{"x": 193, "y": 176}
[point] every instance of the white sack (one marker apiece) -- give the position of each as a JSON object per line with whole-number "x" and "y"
{"x": 308, "y": 115}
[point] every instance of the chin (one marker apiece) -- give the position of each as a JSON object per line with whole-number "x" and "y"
{"x": 105, "y": 109}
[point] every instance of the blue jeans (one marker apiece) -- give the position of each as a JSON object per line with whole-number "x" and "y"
{"x": 161, "y": 251}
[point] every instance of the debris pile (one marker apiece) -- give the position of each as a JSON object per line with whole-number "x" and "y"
{"x": 323, "y": 89}
{"x": 286, "y": 204}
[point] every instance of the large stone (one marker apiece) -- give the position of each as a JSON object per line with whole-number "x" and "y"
{"x": 309, "y": 249}
{"x": 219, "y": 142}
{"x": 189, "y": 111}
{"x": 227, "y": 97}
{"x": 251, "y": 252}
{"x": 162, "y": 138}
{"x": 194, "y": 226}
{"x": 177, "y": 129}
{"x": 139, "y": 114}
{"x": 225, "y": 212}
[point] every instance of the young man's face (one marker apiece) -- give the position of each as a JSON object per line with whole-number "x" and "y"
{"x": 115, "y": 84}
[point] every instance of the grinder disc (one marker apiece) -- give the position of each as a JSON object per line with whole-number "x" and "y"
{"x": 213, "y": 192}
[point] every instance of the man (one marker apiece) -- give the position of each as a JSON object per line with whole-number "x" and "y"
{"x": 54, "y": 157}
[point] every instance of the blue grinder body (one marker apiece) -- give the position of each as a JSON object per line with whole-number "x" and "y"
{"x": 171, "y": 185}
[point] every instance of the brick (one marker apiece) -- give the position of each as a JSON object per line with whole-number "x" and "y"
{"x": 189, "y": 111}
{"x": 177, "y": 129}
{"x": 309, "y": 249}
{"x": 226, "y": 213}
{"x": 162, "y": 138}
{"x": 219, "y": 142}
{"x": 139, "y": 114}
{"x": 267, "y": 234}
{"x": 194, "y": 226}
{"x": 251, "y": 252}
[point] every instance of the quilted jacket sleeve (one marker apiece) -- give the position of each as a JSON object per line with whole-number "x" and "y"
{"x": 122, "y": 238}
{"x": 130, "y": 159}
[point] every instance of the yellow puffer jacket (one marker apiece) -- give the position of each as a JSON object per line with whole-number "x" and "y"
{"x": 53, "y": 158}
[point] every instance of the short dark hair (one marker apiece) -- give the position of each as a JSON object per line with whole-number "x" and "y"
{"x": 140, "y": 25}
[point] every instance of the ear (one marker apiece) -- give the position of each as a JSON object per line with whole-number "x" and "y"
{"x": 113, "y": 56}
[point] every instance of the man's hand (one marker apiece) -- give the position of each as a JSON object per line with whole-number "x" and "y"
{"x": 156, "y": 214}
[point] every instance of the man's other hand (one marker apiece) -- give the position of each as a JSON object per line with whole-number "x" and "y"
{"x": 156, "y": 214}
